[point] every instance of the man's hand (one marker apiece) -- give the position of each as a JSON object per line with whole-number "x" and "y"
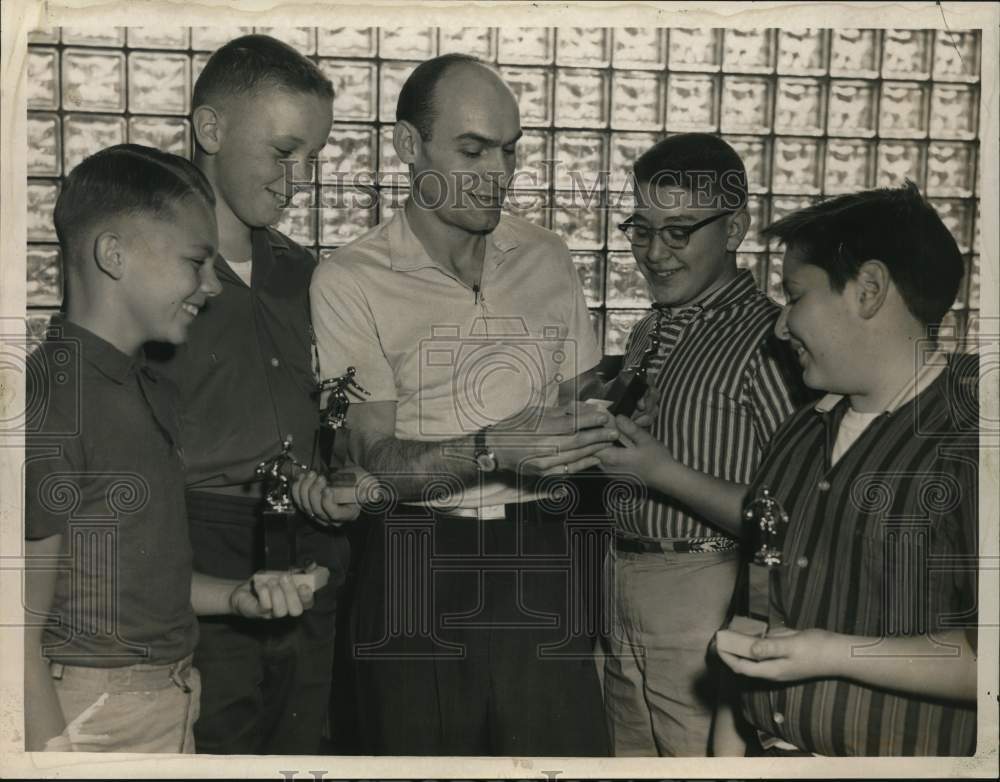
{"x": 643, "y": 457}
{"x": 328, "y": 502}
{"x": 789, "y": 655}
{"x": 275, "y": 599}
{"x": 562, "y": 440}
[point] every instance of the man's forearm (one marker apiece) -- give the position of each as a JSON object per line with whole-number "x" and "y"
{"x": 409, "y": 466}
{"x": 719, "y": 502}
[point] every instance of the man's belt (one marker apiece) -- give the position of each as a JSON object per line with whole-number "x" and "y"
{"x": 635, "y": 545}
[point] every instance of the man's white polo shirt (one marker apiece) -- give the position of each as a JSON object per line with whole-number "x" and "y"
{"x": 452, "y": 358}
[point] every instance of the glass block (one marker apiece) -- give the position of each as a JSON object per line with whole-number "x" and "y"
{"x": 36, "y": 325}
{"x": 390, "y": 202}
{"x": 748, "y": 51}
{"x": 956, "y": 55}
{"x": 302, "y": 39}
{"x": 620, "y": 208}
{"x": 800, "y": 106}
{"x": 298, "y": 219}
{"x": 44, "y": 155}
{"x": 43, "y": 78}
{"x": 754, "y": 152}
{"x": 757, "y": 209}
{"x": 406, "y": 43}
{"x": 973, "y": 294}
{"x": 852, "y": 108}
{"x": 171, "y": 134}
{"x": 854, "y": 52}
{"x": 388, "y": 160}
{"x": 951, "y": 169}
{"x": 626, "y": 285}
{"x": 93, "y": 81}
{"x": 954, "y": 111}
{"x": 478, "y": 41}
{"x": 746, "y": 104}
{"x": 158, "y": 83}
{"x": 50, "y": 35}
{"x": 528, "y": 45}
{"x": 531, "y": 86}
{"x": 597, "y": 323}
{"x": 957, "y": 216}
{"x": 579, "y": 159}
{"x": 773, "y": 288}
{"x": 580, "y": 224}
{"x": 697, "y": 49}
{"x": 850, "y": 165}
{"x": 346, "y": 214}
{"x": 44, "y": 287}
{"x": 898, "y": 161}
{"x": 354, "y": 89}
{"x": 637, "y": 100}
{"x": 346, "y": 41}
{"x": 590, "y": 267}
{"x": 197, "y": 66}
{"x": 41, "y": 198}
{"x": 755, "y": 263}
{"x": 797, "y": 163}
{"x": 977, "y": 235}
{"x": 208, "y": 39}
{"x": 530, "y": 205}
{"x": 589, "y": 46}
{"x": 94, "y": 36}
{"x": 625, "y": 150}
{"x": 639, "y": 47}
{"x": 618, "y": 325}
{"x": 692, "y": 102}
{"x": 534, "y": 160}
{"x": 391, "y": 76}
{"x": 906, "y": 54}
{"x": 158, "y": 37}
{"x": 903, "y": 111}
{"x": 350, "y": 151}
{"x": 581, "y": 98}
{"x": 85, "y": 134}
{"x": 802, "y": 51}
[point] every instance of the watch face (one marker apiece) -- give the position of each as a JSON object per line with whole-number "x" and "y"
{"x": 486, "y": 462}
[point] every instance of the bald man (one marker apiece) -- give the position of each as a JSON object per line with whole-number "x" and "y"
{"x": 470, "y": 332}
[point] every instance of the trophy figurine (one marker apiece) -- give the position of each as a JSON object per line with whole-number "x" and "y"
{"x": 771, "y": 522}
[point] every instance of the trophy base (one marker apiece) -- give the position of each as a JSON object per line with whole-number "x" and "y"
{"x": 315, "y": 579}
{"x": 739, "y": 637}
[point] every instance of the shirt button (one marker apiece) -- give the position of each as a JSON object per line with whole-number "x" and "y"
{"x": 275, "y": 362}
{"x": 802, "y": 562}
{"x": 824, "y": 485}
{"x": 779, "y": 717}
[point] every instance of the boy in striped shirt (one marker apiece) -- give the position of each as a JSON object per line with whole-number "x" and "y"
{"x": 722, "y": 394}
{"x": 876, "y": 588}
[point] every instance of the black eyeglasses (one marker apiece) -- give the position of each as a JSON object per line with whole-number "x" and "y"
{"x": 675, "y": 237}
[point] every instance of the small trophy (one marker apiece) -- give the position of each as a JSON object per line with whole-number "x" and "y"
{"x": 771, "y": 522}
{"x": 632, "y": 382}
{"x": 333, "y": 417}
{"x": 277, "y": 472}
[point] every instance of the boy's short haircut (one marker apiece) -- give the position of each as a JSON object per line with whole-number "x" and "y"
{"x": 416, "y": 98}
{"x": 894, "y": 225}
{"x": 703, "y": 164}
{"x": 251, "y": 63}
{"x": 126, "y": 179}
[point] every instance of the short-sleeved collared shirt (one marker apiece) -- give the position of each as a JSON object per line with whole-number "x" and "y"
{"x": 725, "y": 386}
{"x": 881, "y": 544}
{"x": 103, "y": 469}
{"x": 455, "y": 359}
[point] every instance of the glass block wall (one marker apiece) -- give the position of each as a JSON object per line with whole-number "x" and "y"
{"x": 813, "y": 112}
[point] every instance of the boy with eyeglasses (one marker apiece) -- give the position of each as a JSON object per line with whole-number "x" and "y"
{"x": 722, "y": 393}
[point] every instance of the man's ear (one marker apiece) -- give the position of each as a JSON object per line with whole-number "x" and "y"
{"x": 109, "y": 254}
{"x": 739, "y": 224}
{"x": 872, "y": 281}
{"x": 208, "y": 128}
{"x": 406, "y": 140}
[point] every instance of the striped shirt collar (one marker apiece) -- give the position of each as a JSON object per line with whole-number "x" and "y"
{"x": 407, "y": 252}
{"x": 934, "y": 364}
{"x": 737, "y": 289}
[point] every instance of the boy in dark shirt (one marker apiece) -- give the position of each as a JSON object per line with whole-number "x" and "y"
{"x": 107, "y": 549}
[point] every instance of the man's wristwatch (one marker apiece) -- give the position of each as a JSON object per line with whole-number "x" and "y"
{"x": 486, "y": 460}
